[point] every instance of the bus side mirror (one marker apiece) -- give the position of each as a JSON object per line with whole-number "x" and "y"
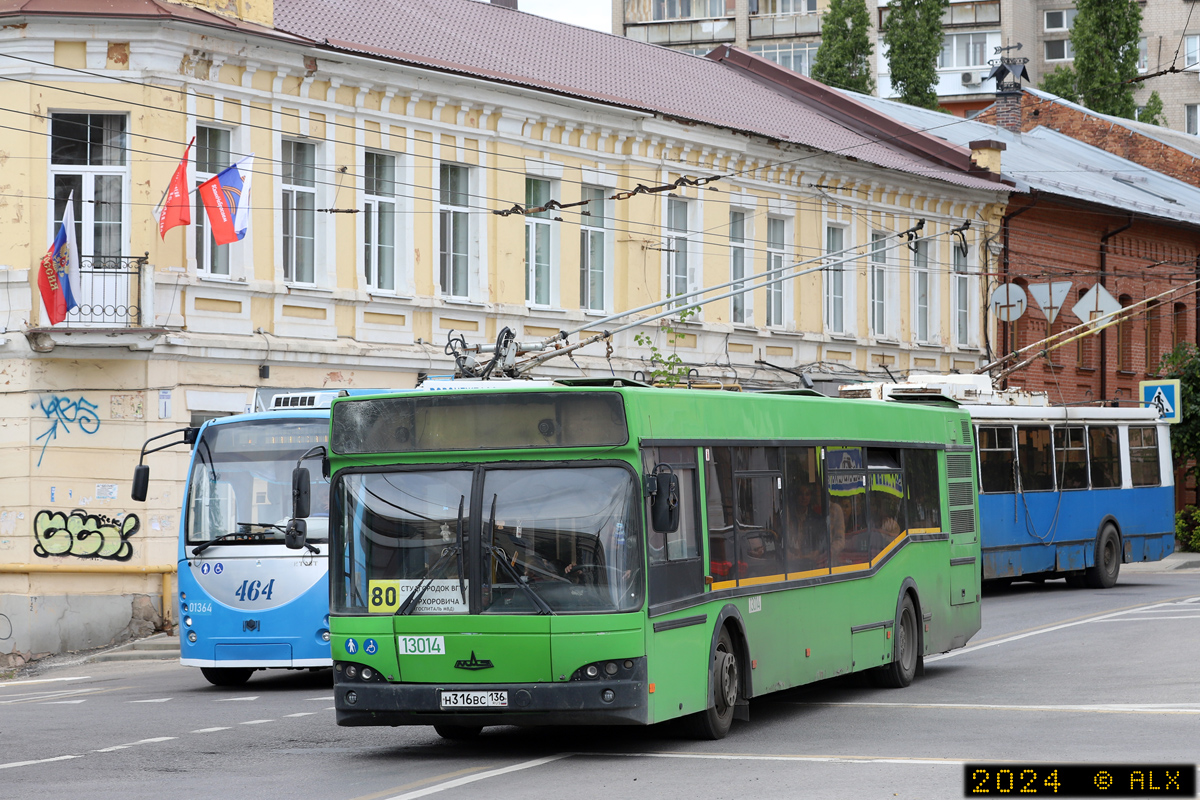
{"x": 141, "y": 482}
{"x": 301, "y": 492}
{"x": 295, "y": 534}
{"x": 664, "y": 502}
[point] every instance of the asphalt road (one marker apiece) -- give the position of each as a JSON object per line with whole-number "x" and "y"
{"x": 1055, "y": 675}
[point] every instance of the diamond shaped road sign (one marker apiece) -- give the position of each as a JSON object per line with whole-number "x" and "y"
{"x": 1165, "y": 396}
{"x": 1096, "y": 303}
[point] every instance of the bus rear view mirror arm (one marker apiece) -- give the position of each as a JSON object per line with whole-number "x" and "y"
{"x": 141, "y": 473}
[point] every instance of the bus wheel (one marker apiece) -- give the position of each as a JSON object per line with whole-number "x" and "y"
{"x": 1108, "y": 560}
{"x": 716, "y": 720}
{"x": 903, "y": 668}
{"x": 226, "y": 676}
{"x": 458, "y": 732}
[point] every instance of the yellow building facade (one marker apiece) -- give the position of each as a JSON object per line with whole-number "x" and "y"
{"x": 373, "y": 234}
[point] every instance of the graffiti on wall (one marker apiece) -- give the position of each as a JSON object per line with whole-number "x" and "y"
{"x": 61, "y": 414}
{"x": 84, "y": 535}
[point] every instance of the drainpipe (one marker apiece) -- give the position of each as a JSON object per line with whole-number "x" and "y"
{"x": 1104, "y": 331}
{"x": 1004, "y": 228}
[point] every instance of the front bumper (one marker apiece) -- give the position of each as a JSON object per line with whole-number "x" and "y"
{"x": 570, "y": 703}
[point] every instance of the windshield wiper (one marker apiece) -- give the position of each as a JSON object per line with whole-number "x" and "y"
{"x": 492, "y": 550}
{"x": 311, "y": 548}
{"x": 414, "y": 597}
{"x": 198, "y": 550}
{"x": 247, "y": 525}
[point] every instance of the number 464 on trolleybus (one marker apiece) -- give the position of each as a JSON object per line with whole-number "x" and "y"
{"x": 604, "y": 552}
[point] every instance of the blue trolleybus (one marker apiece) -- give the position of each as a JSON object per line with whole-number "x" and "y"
{"x": 1064, "y": 492}
{"x": 246, "y": 602}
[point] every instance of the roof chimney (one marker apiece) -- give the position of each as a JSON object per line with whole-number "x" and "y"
{"x": 985, "y": 154}
{"x": 506, "y": 4}
{"x": 1008, "y": 110}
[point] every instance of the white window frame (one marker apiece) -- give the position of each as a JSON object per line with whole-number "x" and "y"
{"x": 777, "y": 305}
{"x": 1191, "y": 52}
{"x": 949, "y": 51}
{"x": 85, "y": 205}
{"x": 539, "y": 292}
{"x": 457, "y": 215}
{"x": 965, "y": 312}
{"x": 591, "y": 233}
{"x": 1068, "y": 19}
{"x": 1143, "y": 54}
{"x": 291, "y": 191}
{"x": 834, "y": 280}
{"x": 796, "y": 56}
{"x": 877, "y": 288}
{"x": 210, "y": 257}
{"x": 678, "y": 269}
{"x": 741, "y": 266}
{"x": 921, "y": 273}
{"x": 1068, "y": 50}
{"x": 380, "y": 209}
{"x": 1191, "y": 114}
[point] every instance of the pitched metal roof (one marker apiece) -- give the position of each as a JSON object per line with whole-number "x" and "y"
{"x": 497, "y": 43}
{"x": 1187, "y": 142}
{"x": 1046, "y": 160}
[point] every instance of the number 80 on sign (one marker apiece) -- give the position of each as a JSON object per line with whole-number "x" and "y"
{"x": 383, "y": 596}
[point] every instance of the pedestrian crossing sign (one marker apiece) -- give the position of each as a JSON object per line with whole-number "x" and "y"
{"x": 1164, "y": 396}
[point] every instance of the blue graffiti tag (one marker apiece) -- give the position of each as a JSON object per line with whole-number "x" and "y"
{"x": 65, "y": 412}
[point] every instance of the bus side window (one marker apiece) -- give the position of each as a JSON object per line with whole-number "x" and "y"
{"x": 1105, "y": 458}
{"x": 924, "y": 491}
{"x": 1036, "y": 458}
{"x": 804, "y": 497}
{"x": 847, "y": 481}
{"x": 997, "y": 462}
{"x": 718, "y": 495}
{"x": 759, "y": 525}
{"x": 885, "y": 499}
{"x": 684, "y": 542}
{"x": 1070, "y": 454}
{"x": 1143, "y": 456}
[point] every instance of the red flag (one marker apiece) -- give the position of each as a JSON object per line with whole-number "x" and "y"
{"x": 176, "y": 209}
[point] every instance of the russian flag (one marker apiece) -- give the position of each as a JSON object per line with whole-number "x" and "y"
{"x": 226, "y": 198}
{"x": 58, "y": 277}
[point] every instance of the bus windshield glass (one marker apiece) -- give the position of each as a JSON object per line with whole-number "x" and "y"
{"x": 241, "y": 481}
{"x": 556, "y": 539}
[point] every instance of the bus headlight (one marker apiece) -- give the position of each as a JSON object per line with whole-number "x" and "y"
{"x": 192, "y": 637}
{"x": 324, "y": 636}
{"x": 187, "y": 621}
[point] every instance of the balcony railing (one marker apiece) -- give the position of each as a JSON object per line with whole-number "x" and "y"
{"x": 110, "y": 289}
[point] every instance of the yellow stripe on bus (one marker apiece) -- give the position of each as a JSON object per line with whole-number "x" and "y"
{"x": 812, "y": 573}
{"x": 891, "y": 546}
{"x": 724, "y": 585}
{"x": 851, "y": 567}
{"x": 761, "y": 581}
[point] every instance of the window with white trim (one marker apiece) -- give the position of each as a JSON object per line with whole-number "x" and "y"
{"x": 454, "y": 228}
{"x": 87, "y": 158}
{"x": 962, "y": 297}
{"x": 1192, "y": 119}
{"x": 1143, "y": 63}
{"x": 961, "y": 50}
{"x": 677, "y": 247}
{"x": 835, "y": 279}
{"x": 796, "y": 56}
{"x": 920, "y": 278}
{"x": 738, "y": 259}
{"x": 299, "y": 211}
{"x": 878, "y": 284}
{"x": 212, "y": 156}
{"x": 1191, "y": 51}
{"x": 775, "y": 254}
{"x": 1059, "y": 50}
{"x": 1062, "y": 19}
{"x": 593, "y": 255}
{"x": 379, "y": 221}
{"x": 537, "y": 243}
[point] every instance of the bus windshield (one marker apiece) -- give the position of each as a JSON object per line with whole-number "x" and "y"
{"x": 241, "y": 481}
{"x": 545, "y": 539}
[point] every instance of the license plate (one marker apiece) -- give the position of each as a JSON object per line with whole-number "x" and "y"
{"x": 421, "y": 645}
{"x": 474, "y": 699}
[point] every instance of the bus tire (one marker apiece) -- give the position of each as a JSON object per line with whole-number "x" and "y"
{"x": 1108, "y": 560}
{"x": 725, "y": 677}
{"x": 906, "y": 649}
{"x": 226, "y": 676}
{"x": 458, "y": 732}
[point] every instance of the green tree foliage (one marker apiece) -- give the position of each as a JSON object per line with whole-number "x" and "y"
{"x": 1105, "y": 40}
{"x": 1152, "y": 113}
{"x": 912, "y": 35}
{"x": 844, "y": 58}
{"x": 1062, "y": 82}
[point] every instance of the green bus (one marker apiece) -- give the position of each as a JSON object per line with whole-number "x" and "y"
{"x": 608, "y": 553}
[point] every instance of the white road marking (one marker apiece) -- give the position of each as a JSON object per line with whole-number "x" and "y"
{"x": 157, "y": 700}
{"x": 256, "y": 722}
{"x": 332, "y": 708}
{"x": 63, "y": 702}
{"x": 302, "y": 714}
{"x": 210, "y": 730}
{"x": 35, "y": 697}
{"x": 1145, "y": 619}
{"x": 1105, "y": 708}
{"x": 945, "y": 762}
{"x": 1027, "y": 634}
{"x": 6, "y": 684}
{"x": 235, "y": 699}
{"x": 39, "y": 761}
{"x": 321, "y": 698}
{"x": 133, "y": 744}
{"x": 454, "y": 784}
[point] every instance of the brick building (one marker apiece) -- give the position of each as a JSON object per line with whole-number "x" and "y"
{"x": 1082, "y": 216}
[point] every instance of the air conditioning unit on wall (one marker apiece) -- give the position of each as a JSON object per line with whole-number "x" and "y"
{"x": 972, "y": 78}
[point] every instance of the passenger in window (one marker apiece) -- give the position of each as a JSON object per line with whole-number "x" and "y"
{"x": 837, "y": 530}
